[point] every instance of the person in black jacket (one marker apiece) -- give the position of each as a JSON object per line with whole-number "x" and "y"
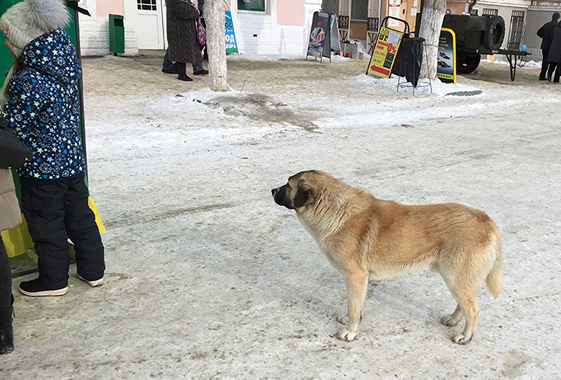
{"x": 555, "y": 54}
{"x": 545, "y": 33}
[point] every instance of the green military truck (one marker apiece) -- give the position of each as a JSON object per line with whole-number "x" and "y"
{"x": 476, "y": 35}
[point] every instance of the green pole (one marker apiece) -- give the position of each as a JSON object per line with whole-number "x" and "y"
{"x": 6, "y": 58}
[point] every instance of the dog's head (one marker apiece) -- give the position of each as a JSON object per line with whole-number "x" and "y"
{"x": 301, "y": 190}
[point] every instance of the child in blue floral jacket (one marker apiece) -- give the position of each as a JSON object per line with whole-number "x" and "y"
{"x": 42, "y": 105}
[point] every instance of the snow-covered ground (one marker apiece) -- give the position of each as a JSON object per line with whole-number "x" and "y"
{"x": 208, "y": 279}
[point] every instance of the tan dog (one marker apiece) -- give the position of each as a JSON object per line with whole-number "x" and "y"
{"x": 366, "y": 237}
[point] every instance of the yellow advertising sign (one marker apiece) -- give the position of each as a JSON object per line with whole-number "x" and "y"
{"x": 383, "y": 56}
{"x": 446, "y": 68}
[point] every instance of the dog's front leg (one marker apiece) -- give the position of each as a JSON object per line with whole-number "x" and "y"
{"x": 357, "y": 284}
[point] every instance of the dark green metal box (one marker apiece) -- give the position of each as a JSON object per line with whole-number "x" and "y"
{"x": 116, "y": 34}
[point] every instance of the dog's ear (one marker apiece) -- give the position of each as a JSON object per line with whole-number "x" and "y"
{"x": 303, "y": 195}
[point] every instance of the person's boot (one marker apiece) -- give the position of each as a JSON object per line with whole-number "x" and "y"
{"x": 200, "y": 72}
{"x": 6, "y": 331}
{"x": 36, "y": 288}
{"x": 171, "y": 70}
{"x": 181, "y": 69}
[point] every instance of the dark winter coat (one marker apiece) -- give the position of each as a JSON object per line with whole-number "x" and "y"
{"x": 555, "y": 48}
{"x": 44, "y": 109}
{"x": 182, "y": 32}
{"x": 545, "y": 33}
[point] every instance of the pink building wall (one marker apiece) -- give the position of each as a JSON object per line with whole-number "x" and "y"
{"x": 105, "y": 7}
{"x": 290, "y": 12}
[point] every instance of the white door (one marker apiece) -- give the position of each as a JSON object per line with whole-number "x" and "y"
{"x": 151, "y": 24}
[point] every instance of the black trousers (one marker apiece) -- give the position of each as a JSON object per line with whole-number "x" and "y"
{"x": 554, "y": 67}
{"x": 5, "y": 288}
{"x": 54, "y": 213}
{"x": 545, "y": 64}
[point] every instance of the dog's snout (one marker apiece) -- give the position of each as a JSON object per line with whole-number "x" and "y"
{"x": 281, "y": 198}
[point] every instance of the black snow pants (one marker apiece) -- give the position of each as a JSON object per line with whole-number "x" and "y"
{"x": 56, "y": 212}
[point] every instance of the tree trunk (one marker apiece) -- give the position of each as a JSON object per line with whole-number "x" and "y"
{"x": 431, "y": 21}
{"x": 216, "y": 45}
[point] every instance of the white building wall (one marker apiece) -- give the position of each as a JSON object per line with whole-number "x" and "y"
{"x": 130, "y": 21}
{"x": 258, "y": 32}
{"x": 503, "y": 3}
{"x": 94, "y": 30}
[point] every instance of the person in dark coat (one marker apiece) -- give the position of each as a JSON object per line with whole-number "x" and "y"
{"x": 545, "y": 34}
{"x": 555, "y": 54}
{"x": 183, "y": 42}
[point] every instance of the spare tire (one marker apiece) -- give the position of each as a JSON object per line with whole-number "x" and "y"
{"x": 494, "y": 33}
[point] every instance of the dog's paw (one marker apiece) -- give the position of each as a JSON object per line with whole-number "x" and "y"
{"x": 343, "y": 319}
{"x": 347, "y": 335}
{"x": 448, "y": 321}
{"x": 461, "y": 339}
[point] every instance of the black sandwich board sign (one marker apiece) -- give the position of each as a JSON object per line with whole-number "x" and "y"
{"x": 324, "y": 35}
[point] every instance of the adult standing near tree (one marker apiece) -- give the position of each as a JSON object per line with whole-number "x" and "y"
{"x": 182, "y": 37}
{"x": 555, "y": 54}
{"x": 545, "y": 33}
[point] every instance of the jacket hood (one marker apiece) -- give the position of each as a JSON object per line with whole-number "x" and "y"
{"x": 53, "y": 54}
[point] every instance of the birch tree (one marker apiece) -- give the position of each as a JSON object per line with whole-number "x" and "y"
{"x": 431, "y": 22}
{"x": 216, "y": 45}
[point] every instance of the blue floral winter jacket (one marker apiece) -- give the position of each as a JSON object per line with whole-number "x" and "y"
{"x": 44, "y": 110}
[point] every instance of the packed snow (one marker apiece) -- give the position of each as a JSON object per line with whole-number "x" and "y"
{"x": 207, "y": 278}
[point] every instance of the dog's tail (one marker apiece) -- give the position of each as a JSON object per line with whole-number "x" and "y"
{"x": 495, "y": 277}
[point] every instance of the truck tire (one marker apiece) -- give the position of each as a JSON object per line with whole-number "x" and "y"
{"x": 494, "y": 33}
{"x": 467, "y": 63}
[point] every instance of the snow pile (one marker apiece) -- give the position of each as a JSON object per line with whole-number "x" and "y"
{"x": 436, "y": 87}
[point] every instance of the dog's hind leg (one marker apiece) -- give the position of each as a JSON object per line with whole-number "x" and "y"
{"x": 463, "y": 279}
{"x": 467, "y": 301}
{"x": 453, "y": 319}
{"x": 357, "y": 284}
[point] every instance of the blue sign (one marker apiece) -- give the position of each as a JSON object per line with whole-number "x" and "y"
{"x": 231, "y": 45}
